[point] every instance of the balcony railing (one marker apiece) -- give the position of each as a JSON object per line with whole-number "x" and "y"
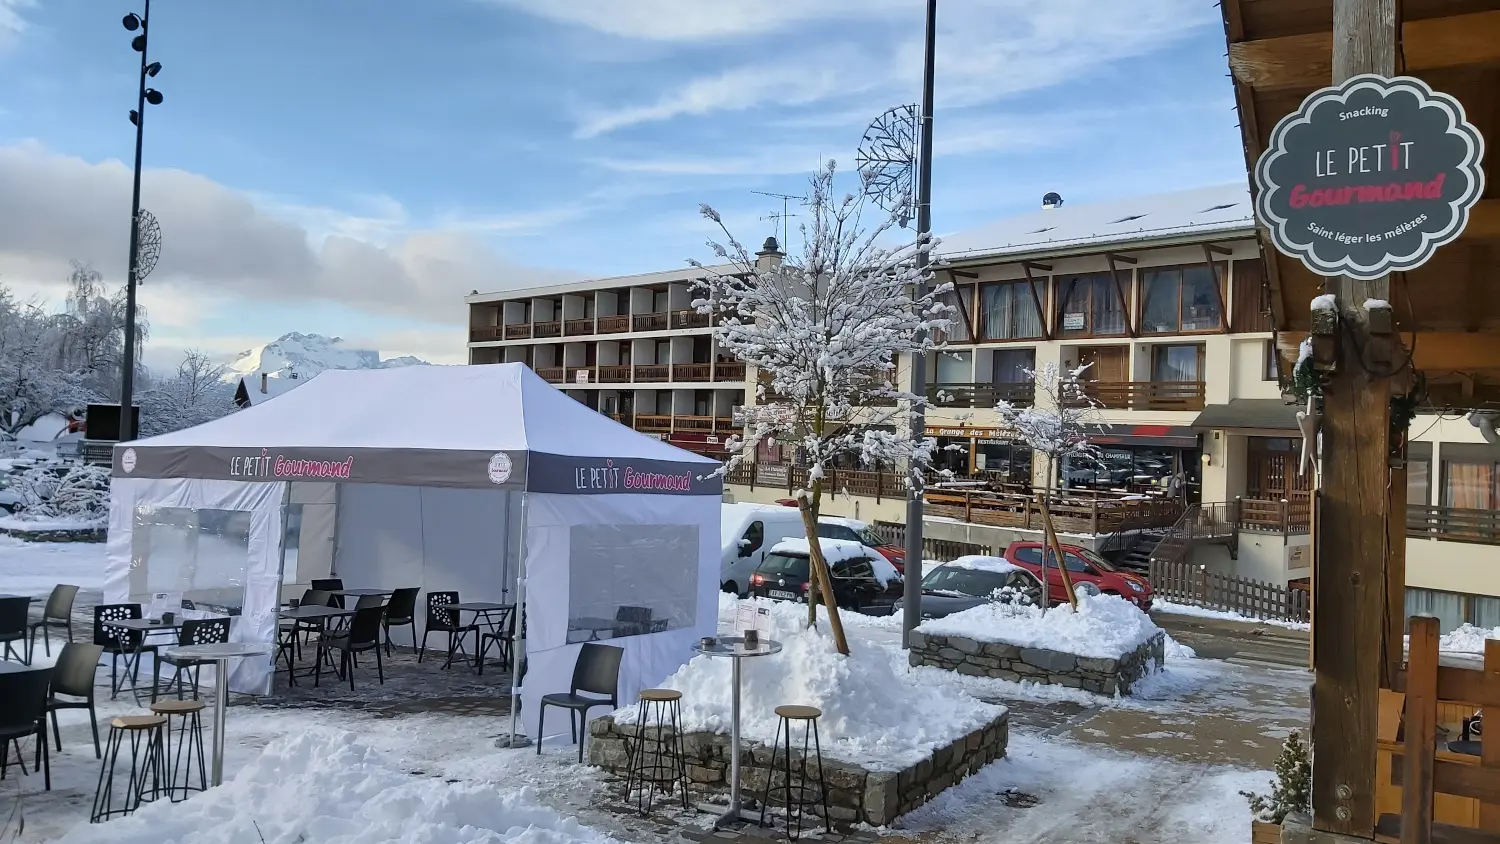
{"x": 780, "y": 476}
{"x": 519, "y": 331}
{"x": 729, "y": 371}
{"x": 689, "y": 318}
{"x": 551, "y": 374}
{"x": 1264, "y": 515}
{"x": 653, "y": 373}
{"x": 1090, "y": 513}
{"x": 1146, "y": 395}
{"x": 481, "y": 333}
{"x": 581, "y": 375}
{"x": 1020, "y": 394}
{"x": 1453, "y": 524}
{"x": 653, "y": 423}
{"x": 705, "y": 424}
{"x": 578, "y": 327}
{"x": 547, "y": 329}
{"x": 614, "y": 374}
{"x": 614, "y": 324}
{"x": 692, "y": 371}
{"x": 649, "y": 322}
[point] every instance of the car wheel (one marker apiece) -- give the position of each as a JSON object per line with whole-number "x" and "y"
{"x": 730, "y": 587}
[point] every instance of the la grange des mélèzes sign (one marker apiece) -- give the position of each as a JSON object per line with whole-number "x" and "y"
{"x": 1369, "y": 177}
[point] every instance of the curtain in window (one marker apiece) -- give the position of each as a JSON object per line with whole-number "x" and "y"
{"x": 954, "y": 368}
{"x": 958, "y": 316}
{"x": 1417, "y": 472}
{"x": 1200, "y": 302}
{"x": 1446, "y": 607}
{"x": 1074, "y": 293}
{"x": 1010, "y": 312}
{"x": 1485, "y": 610}
{"x": 1159, "y": 311}
{"x": 1009, "y": 365}
{"x": 1109, "y": 318}
{"x": 1469, "y": 486}
{"x": 1174, "y": 363}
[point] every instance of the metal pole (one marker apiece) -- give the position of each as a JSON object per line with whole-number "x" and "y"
{"x": 912, "y": 597}
{"x": 127, "y": 366}
{"x": 221, "y": 697}
{"x": 518, "y": 654}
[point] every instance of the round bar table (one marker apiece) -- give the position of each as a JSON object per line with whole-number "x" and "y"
{"x": 733, "y": 647}
{"x": 220, "y": 654}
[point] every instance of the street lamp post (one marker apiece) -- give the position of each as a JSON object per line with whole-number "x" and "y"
{"x": 144, "y": 96}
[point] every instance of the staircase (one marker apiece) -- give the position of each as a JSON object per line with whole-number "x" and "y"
{"x": 1170, "y": 545}
{"x": 1137, "y": 558}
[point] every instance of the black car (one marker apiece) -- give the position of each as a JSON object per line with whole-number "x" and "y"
{"x": 783, "y": 576}
{"x": 957, "y": 586}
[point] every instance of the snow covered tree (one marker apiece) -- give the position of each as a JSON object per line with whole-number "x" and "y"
{"x": 825, "y": 329}
{"x": 1291, "y": 790}
{"x": 1056, "y": 426}
{"x": 195, "y": 394}
{"x": 80, "y": 491}
{"x": 31, "y": 384}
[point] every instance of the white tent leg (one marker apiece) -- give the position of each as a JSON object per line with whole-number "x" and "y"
{"x": 518, "y": 655}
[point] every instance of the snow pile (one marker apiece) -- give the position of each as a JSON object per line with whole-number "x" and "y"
{"x": 1174, "y": 608}
{"x": 323, "y": 786}
{"x": 1467, "y": 639}
{"x": 1325, "y": 302}
{"x": 872, "y": 715}
{"x": 978, "y": 562}
{"x": 1105, "y": 626}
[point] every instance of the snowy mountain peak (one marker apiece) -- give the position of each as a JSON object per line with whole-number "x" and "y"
{"x": 301, "y": 356}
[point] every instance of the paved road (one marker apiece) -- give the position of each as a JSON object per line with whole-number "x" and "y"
{"x": 1238, "y": 642}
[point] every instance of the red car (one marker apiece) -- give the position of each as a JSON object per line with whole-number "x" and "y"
{"x": 1084, "y": 566}
{"x": 853, "y": 530}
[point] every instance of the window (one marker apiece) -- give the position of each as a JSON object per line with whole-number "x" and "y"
{"x": 854, "y": 569}
{"x": 1076, "y": 563}
{"x": 1273, "y": 363}
{"x": 1470, "y": 485}
{"x": 844, "y": 532}
{"x": 1089, "y": 305}
{"x": 755, "y": 536}
{"x": 1418, "y": 477}
{"x": 1447, "y": 607}
{"x": 1180, "y": 299}
{"x": 1009, "y": 312}
{"x": 961, "y": 300}
{"x": 1009, "y": 366}
{"x": 1177, "y": 363}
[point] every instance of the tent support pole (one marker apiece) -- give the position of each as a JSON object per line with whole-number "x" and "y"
{"x": 518, "y": 649}
{"x": 286, "y": 509}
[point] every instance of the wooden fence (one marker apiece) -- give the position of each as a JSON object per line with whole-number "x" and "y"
{"x": 942, "y": 550}
{"x": 1189, "y": 584}
{"x": 1072, "y": 512}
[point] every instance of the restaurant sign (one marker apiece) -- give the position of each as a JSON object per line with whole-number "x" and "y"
{"x": 1369, "y": 177}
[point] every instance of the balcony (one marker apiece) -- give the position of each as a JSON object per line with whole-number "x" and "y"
{"x": 729, "y": 371}
{"x": 1453, "y": 524}
{"x": 578, "y": 327}
{"x": 580, "y": 375}
{"x": 1072, "y": 512}
{"x": 547, "y": 329}
{"x": 653, "y": 373}
{"x": 551, "y": 374}
{"x": 689, "y": 318}
{"x": 653, "y": 423}
{"x": 649, "y": 322}
{"x": 692, "y": 371}
{"x": 521, "y": 331}
{"x": 614, "y": 374}
{"x": 482, "y": 333}
{"x": 614, "y": 324}
{"x": 1145, "y": 395}
{"x": 1020, "y": 394}
{"x": 706, "y": 424}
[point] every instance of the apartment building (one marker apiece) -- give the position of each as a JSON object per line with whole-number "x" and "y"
{"x": 1164, "y": 297}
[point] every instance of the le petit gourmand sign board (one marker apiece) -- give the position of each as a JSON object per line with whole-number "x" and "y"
{"x": 1369, "y": 177}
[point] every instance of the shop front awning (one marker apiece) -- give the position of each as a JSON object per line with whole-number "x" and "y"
{"x": 1162, "y": 436}
{"x": 1248, "y": 414}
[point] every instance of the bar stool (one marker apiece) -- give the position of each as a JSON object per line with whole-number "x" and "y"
{"x": 807, "y": 796}
{"x": 145, "y": 732}
{"x": 188, "y": 746}
{"x": 657, "y": 761}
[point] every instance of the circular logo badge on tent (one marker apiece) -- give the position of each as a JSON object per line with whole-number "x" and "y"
{"x": 127, "y": 460}
{"x": 500, "y": 468}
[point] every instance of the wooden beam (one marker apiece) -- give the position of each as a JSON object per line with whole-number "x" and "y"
{"x": 963, "y": 273}
{"x": 1455, "y": 778}
{"x": 1046, "y": 268}
{"x": 1217, "y": 249}
{"x": 1489, "y": 757}
{"x": 1114, "y": 274}
{"x": 1420, "y": 744}
{"x": 1213, "y": 271}
{"x": 1035, "y": 297}
{"x": 1124, "y": 259}
{"x": 1352, "y": 538}
{"x": 1395, "y": 580}
{"x": 1306, "y": 61}
{"x": 1476, "y": 297}
{"x": 963, "y": 308}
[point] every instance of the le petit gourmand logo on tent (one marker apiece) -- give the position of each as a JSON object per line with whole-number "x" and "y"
{"x": 609, "y": 477}
{"x": 264, "y": 465}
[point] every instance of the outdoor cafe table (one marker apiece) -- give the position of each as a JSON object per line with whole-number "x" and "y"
{"x": 362, "y": 593}
{"x": 483, "y": 611}
{"x": 143, "y": 628}
{"x": 4, "y": 595}
{"x": 733, "y": 647}
{"x": 220, "y": 654}
{"x": 321, "y": 615}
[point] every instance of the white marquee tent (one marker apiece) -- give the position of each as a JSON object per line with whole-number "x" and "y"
{"x": 480, "y": 479}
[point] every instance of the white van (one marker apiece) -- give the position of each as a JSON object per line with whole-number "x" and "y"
{"x": 749, "y": 532}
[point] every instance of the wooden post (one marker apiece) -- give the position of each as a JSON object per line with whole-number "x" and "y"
{"x": 1421, "y": 733}
{"x": 1395, "y": 577}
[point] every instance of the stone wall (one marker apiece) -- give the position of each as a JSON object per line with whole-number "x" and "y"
{"x": 1011, "y": 662}
{"x": 855, "y": 794}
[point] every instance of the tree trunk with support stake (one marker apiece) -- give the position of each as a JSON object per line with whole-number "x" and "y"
{"x": 1050, "y": 535}
{"x": 820, "y": 582}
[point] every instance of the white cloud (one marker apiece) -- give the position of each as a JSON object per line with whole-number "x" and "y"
{"x": 12, "y": 25}
{"x": 696, "y": 20}
{"x": 55, "y": 207}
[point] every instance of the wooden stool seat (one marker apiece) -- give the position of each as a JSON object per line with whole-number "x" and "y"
{"x": 176, "y": 707}
{"x": 794, "y": 712}
{"x": 138, "y": 722}
{"x": 660, "y": 694}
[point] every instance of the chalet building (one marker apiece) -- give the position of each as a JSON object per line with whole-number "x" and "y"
{"x": 1164, "y": 297}
{"x": 254, "y": 389}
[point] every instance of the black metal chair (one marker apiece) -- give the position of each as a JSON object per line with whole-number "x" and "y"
{"x": 440, "y": 619}
{"x": 363, "y": 634}
{"x": 195, "y": 631}
{"x": 73, "y": 677}
{"x": 401, "y": 611}
{"x": 13, "y": 623}
{"x": 57, "y": 613}
{"x": 504, "y": 639}
{"x": 597, "y": 672}
{"x": 117, "y": 642}
{"x": 23, "y": 712}
{"x": 331, "y": 584}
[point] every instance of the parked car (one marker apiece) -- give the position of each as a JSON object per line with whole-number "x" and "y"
{"x": 863, "y": 580}
{"x": 968, "y": 582}
{"x": 854, "y": 530}
{"x": 1088, "y": 571}
{"x": 748, "y": 533}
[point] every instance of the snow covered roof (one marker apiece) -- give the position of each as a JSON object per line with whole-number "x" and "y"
{"x": 979, "y": 562}
{"x": 487, "y": 426}
{"x": 1220, "y": 210}
{"x": 250, "y": 385}
{"x": 834, "y": 550}
{"x": 852, "y": 524}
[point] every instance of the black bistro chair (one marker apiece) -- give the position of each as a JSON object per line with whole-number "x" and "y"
{"x": 401, "y": 611}
{"x": 13, "y": 624}
{"x": 504, "y": 640}
{"x": 597, "y": 672}
{"x": 57, "y": 613}
{"x": 23, "y": 713}
{"x": 331, "y": 584}
{"x": 440, "y": 619}
{"x": 362, "y": 634}
{"x": 117, "y": 642}
{"x": 195, "y": 631}
{"x": 73, "y": 687}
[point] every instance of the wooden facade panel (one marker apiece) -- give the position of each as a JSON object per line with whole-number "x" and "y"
{"x": 1251, "y": 306}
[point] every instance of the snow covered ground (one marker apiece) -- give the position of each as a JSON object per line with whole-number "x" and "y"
{"x": 1163, "y": 605}
{"x": 1163, "y": 766}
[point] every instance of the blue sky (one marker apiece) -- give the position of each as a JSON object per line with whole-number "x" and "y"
{"x": 353, "y": 167}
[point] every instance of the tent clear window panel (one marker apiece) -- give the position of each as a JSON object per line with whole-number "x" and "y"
{"x": 630, "y": 580}
{"x": 193, "y": 559}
